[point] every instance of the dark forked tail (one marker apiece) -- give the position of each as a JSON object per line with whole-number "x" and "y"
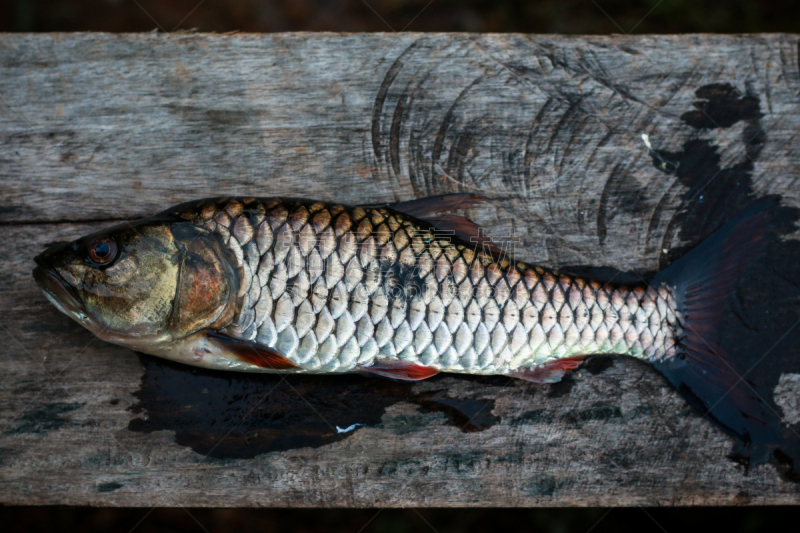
{"x": 703, "y": 281}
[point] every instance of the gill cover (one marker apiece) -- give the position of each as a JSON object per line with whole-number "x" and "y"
{"x": 206, "y": 294}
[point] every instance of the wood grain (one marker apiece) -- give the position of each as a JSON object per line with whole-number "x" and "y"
{"x": 96, "y": 128}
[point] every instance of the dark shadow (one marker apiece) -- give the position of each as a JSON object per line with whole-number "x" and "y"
{"x": 240, "y": 415}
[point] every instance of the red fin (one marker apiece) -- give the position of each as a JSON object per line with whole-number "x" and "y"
{"x": 252, "y": 353}
{"x": 425, "y": 208}
{"x": 401, "y": 370}
{"x": 550, "y": 372}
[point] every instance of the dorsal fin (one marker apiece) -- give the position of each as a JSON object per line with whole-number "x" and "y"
{"x": 549, "y": 372}
{"x": 250, "y": 352}
{"x": 401, "y": 370}
{"x": 428, "y": 209}
{"x": 424, "y": 208}
{"x": 464, "y": 229}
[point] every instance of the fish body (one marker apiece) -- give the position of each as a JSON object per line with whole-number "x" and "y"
{"x": 334, "y": 288}
{"x": 300, "y": 286}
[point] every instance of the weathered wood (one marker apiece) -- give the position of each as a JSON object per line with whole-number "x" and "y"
{"x": 96, "y": 127}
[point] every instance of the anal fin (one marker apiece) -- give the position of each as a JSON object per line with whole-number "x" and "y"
{"x": 401, "y": 370}
{"x": 549, "y": 372}
{"x": 250, "y": 352}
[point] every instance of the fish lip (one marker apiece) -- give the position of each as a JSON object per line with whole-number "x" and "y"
{"x": 54, "y": 286}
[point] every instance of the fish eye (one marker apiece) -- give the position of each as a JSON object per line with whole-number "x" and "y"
{"x": 103, "y": 250}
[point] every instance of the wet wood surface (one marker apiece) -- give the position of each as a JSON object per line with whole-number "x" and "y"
{"x": 98, "y": 128}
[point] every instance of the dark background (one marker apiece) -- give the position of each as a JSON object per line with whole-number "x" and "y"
{"x": 534, "y": 16}
{"x": 543, "y": 16}
{"x": 673, "y": 520}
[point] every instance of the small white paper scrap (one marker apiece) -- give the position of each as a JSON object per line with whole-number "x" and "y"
{"x": 348, "y": 428}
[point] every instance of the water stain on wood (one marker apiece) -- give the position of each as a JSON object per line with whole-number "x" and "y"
{"x": 239, "y": 415}
{"x": 597, "y": 364}
{"x": 542, "y": 486}
{"x": 47, "y": 418}
{"x": 599, "y": 411}
{"x": 561, "y": 388}
{"x": 468, "y": 414}
{"x": 536, "y": 416}
{"x": 108, "y": 487}
{"x": 721, "y": 105}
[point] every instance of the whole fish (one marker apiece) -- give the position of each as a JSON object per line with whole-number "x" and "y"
{"x": 401, "y": 291}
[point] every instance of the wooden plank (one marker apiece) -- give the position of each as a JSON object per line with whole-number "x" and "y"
{"x": 97, "y": 127}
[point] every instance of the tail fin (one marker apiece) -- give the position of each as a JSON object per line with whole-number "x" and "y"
{"x": 703, "y": 280}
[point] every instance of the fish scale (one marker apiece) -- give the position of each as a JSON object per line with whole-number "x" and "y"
{"x": 333, "y": 288}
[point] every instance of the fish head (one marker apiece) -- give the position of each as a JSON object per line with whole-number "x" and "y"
{"x": 141, "y": 285}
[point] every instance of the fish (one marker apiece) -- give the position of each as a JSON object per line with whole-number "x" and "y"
{"x": 403, "y": 291}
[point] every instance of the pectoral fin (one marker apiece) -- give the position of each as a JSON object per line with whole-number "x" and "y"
{"x": 250, "y": 352}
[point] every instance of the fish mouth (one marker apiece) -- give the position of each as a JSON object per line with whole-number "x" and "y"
{"x": 57, "y": 290}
